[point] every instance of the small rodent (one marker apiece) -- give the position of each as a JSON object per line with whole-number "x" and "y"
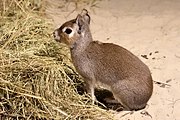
{"x": 105, "y": 64}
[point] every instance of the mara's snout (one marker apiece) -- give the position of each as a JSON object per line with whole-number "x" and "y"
{"x": 56, "y": 35}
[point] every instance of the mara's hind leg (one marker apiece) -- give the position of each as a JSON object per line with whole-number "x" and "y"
{"x": 131, "y": 94}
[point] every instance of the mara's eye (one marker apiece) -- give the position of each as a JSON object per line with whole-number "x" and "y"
{"x": 68, "y": 31}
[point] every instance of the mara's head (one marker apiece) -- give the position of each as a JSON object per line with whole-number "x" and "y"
{"x": 73, "y": 30}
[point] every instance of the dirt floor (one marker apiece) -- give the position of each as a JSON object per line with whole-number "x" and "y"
{"x": 148, "y": 28}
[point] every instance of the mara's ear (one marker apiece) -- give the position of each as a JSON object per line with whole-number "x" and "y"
{"x": 82, "y": 20}
{"x": 79, "y": 22}
{"x": 87, "y": 18}
{"x": 85, "y": 15}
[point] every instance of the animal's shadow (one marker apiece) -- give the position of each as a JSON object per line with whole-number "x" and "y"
{"x": 104, "y": 97}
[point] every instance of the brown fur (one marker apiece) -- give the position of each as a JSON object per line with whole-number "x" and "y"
{"x": 107, "y": 65}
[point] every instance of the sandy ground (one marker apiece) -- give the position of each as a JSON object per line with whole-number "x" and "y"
{"x": 149, "y": 28}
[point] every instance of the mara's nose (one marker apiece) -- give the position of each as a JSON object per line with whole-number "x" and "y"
{"x": 56, "y": 35}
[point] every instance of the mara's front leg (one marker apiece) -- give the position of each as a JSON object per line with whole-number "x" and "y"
{"x": 90, "y": 86}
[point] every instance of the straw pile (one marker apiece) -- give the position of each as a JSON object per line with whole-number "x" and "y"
{"x": 37, "y": 78}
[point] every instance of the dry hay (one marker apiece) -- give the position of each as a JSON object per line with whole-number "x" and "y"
{"x": 36, "y": 74}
